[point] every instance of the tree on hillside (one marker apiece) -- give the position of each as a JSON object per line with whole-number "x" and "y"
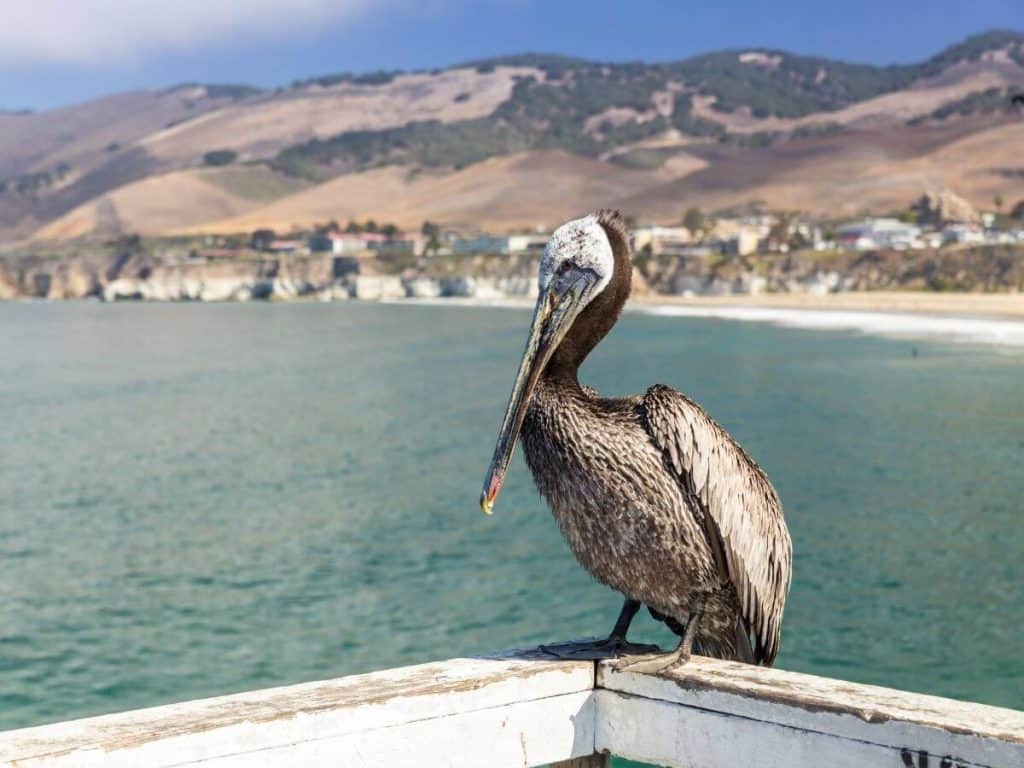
{"x": 128, "y": 243}
{"x": 432, "y": 233}
{"x": 353, "y": 227}
{"x": 998, "y": 200}
{"x": 430, "y": 230}
{"x": 370, "y": 226}
{"x": 693, "y": 220}
{"x": 261, "y": 239}
{"x": 220, "y": 157}
{"x": 781, "y": 230}
{"x": 389, "y": 231}
{"x": 1018, "y": 211}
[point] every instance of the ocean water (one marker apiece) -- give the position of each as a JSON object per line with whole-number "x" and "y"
{"x": 202, "y": 499}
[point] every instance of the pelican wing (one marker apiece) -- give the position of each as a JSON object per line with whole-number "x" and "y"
{"x": 742, "y": 514}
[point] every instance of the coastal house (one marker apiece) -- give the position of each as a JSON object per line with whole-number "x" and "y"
{"x": 349, "y": 243}
{"x": 873, "y": 233}
{"x": 337, "y": 243}
{"x": 662, "y": 240}
{"x": 743, "y": 243}
{"x": 728, "y": 227}
{"x": 504, "y": 244}
{"x": 286, "y": 246}
{"x": 399, "y": 242}
{"x": 963, "y": 234}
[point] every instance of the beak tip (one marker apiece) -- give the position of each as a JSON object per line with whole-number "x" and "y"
{"x": 489, "y": 494}
{"x": 487, "y": 503}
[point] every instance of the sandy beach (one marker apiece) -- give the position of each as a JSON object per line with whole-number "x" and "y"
{"x": 987, "y": 305}
{"x": 988, "y": 319}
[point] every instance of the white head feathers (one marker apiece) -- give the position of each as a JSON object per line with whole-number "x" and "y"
{"x": 584, "y": 244}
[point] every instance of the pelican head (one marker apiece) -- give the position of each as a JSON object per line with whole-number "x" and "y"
{"x": 577, "y": 266}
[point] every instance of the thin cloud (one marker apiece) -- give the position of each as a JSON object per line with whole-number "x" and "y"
{"x": 93, "y": 31}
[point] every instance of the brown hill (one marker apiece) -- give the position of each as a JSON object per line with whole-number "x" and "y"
{"x": 524, "y": 141}
{"x": 855, "y": 172}
{"x": 837, "y": 175}
{"x": 529, "y": 189}
{"x": 153, "y": 206}
{"x": 260, "y": 128}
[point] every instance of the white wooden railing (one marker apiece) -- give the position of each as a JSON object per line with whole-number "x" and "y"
{"x": 521, "y": 709}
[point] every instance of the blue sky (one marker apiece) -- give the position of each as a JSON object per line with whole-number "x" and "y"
{"x": 54, "y": 52}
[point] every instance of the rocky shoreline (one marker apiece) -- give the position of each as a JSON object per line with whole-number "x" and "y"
{"x": 123, "y": 276}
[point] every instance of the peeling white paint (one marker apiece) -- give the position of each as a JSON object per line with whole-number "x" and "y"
{"x": 528, "y": 710}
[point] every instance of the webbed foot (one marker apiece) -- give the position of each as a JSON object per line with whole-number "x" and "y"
{"x": 654, "y": 664}
{"x": 667, "y": 662}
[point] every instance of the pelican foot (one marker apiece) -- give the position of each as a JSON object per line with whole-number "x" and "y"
{"x": 654, "y": 664}
{"x": 595, "y": 650}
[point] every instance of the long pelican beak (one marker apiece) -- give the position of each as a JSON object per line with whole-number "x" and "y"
{"x": 557, "y": 308}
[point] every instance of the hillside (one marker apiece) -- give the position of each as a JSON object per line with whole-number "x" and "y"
{"x": 523, "y": 140}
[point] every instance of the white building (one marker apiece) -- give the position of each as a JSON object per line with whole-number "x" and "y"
{"x": 743, "y": 243}
{"x": 338, "y": 244}
{"x": 505, "y": 244}
{"x": 878, "y": 233}
{"x": 349, "y": 243}
{"x": 963, "y": 234}
{"x": 660, "y": 239}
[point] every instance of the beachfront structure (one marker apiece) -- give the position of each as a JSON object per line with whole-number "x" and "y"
{"x": 671, "y": 240}
{"x": 349, "y": 243}
{"x": 963, "y": 234}
{"x": 337, "y": 243}
{"x": 743, "y": 243}
{"x": 504, "y": 244}
{"x": 872, "y": 233}
{"x": 528, "y": 709}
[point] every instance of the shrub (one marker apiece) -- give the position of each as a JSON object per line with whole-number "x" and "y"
{"x": 220, "y": 157}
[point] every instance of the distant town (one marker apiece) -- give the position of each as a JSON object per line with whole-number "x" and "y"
{"x": 939, "y": 243}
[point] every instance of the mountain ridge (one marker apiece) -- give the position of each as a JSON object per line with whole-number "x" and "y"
{"x": 757, "y": 103}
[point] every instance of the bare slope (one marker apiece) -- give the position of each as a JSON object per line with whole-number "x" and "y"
{"x": 86, "y": 135}
{"x": 855, "y": 172}
{"x": 155, "y": 205}
{"x": 262, "y": 127}
{"x": 538, "y": 188}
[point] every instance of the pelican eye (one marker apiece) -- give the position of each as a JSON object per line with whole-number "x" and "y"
{"x": 563, "y": 268}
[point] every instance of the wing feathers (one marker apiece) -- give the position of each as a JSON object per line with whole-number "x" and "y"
{"x": 743, "y": 515}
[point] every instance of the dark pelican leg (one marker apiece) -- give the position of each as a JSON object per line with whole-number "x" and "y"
{"x": 667, "y": 662}
{"x": 614, "y": 645}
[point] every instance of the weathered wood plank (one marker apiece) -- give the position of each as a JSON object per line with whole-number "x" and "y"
{"x": 526, "y": 710}
{"x": 683, "y": 737}
{"x": 350, "y": 711}
{"x": 730, "y": 700}
{"x": 531, "y": 733}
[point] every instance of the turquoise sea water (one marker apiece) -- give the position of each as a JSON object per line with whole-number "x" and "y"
{"x": 200, "y": 499}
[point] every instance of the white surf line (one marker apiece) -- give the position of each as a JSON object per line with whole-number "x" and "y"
{"x": 975, "y": 330}
{"x": 968, "y": 330}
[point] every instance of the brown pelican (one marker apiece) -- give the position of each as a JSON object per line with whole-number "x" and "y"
{"x": 655, "y": 499}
